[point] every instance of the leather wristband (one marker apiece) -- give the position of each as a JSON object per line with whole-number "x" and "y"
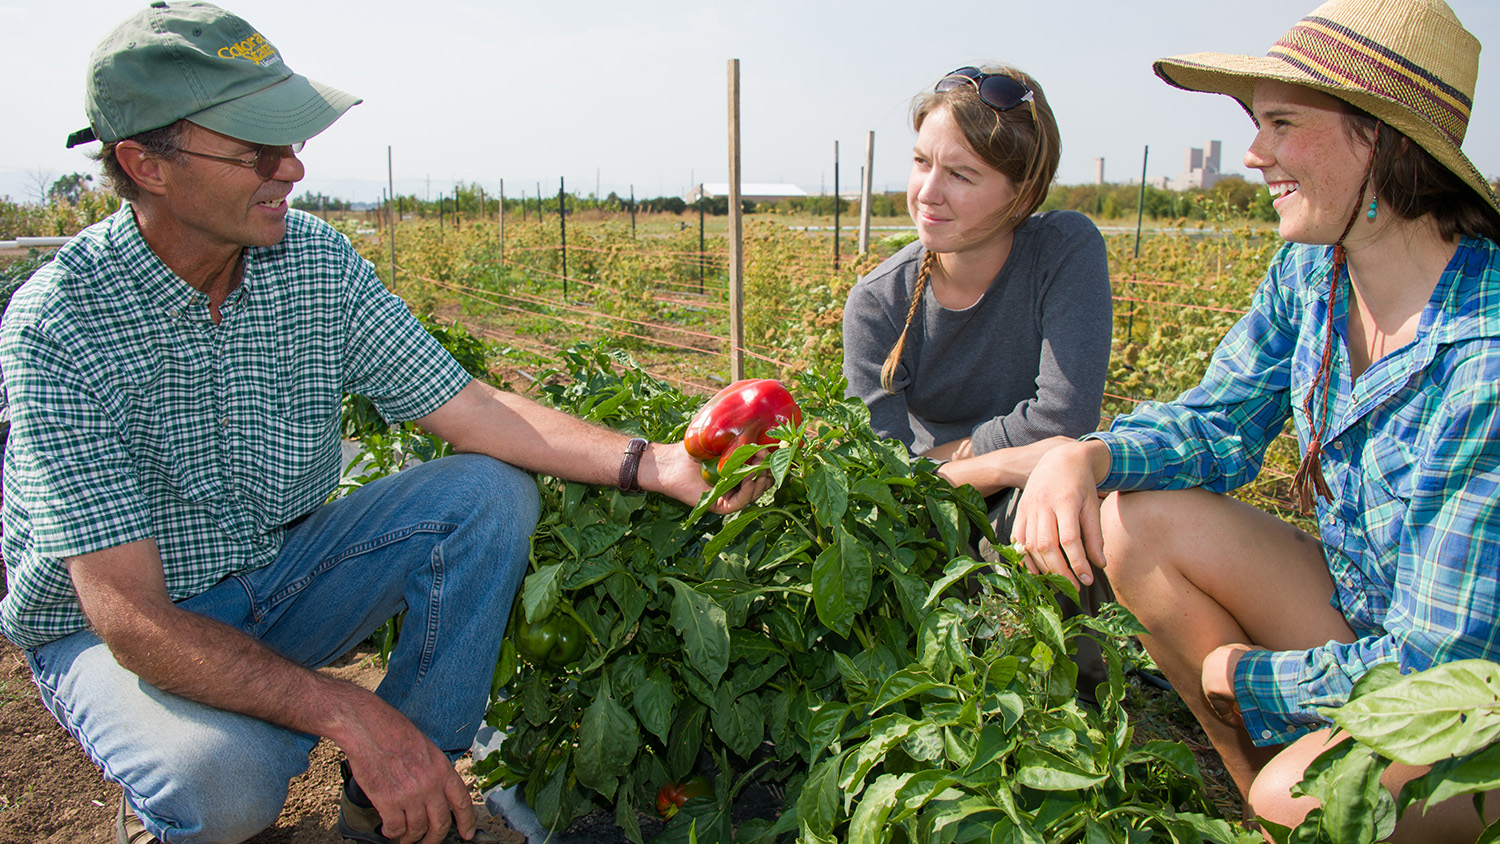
{"x": 631, "y": 465}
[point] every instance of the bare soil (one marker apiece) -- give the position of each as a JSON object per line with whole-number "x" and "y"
{"x": 51, "y": 793}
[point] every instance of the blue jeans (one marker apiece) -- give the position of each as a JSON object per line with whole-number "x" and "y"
{"x": 447, "y": 541}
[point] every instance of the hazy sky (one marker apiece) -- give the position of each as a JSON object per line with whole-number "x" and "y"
{"x": 622, "y": 94}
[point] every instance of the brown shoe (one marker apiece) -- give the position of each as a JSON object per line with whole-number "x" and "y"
{"x": 129, "y": 829}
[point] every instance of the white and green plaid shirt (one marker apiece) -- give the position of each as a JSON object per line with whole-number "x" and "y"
{"x": 135, "y": 416}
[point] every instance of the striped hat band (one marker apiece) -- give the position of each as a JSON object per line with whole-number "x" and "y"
{"x": 1337, "y": 55}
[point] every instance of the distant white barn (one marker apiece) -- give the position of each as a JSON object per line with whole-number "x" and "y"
{"x": 749, "y": 191}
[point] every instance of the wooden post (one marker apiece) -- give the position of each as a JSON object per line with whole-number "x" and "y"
{"x": 632, "y": 212}
{"x": 1140, "y": 210}
{"x": 865, "y": 191}
{"x": 390, "y": 177}
{"x": 501, "y": 215}
{"x": 562, "y": 219}
{"x": 736, "y": 231}
{"x": 1140, "y": 203}
{"x": 837, "y": 201}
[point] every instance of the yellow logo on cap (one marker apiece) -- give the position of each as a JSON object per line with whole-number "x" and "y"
{"x": 253, "y": 49}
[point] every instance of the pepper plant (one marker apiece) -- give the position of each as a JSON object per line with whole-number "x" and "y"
{"x": 836, "y": 637}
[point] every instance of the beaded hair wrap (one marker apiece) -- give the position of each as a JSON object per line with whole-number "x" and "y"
{"x": 1309, "y": 479}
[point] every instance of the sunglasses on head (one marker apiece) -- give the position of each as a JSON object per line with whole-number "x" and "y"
{"x": 996, "y": 90}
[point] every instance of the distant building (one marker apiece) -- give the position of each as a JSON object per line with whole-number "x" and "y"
{"x": 1200, "y": 169}
{"x": 1099, "y": 171}
{"x": 749, "y": 191}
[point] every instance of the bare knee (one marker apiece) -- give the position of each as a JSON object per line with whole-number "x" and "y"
{"x": 1271, "y": 793}
{"x": 1131, "y": 523}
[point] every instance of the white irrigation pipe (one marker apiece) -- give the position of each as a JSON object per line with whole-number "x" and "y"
{"x": 33, "y": 242}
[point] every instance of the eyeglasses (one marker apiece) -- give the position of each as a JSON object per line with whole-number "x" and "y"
{"x": 996, "y": 90}
{"x": 266, "y": 159}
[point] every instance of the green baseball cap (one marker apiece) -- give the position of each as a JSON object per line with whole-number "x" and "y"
{"x": 196, "y": 61}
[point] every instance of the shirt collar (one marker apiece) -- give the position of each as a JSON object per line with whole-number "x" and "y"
{"x": 166, "y": 290}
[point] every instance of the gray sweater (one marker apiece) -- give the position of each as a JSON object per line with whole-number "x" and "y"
{"x": 1025, "y": 362}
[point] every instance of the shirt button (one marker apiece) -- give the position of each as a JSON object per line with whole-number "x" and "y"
{"x": 1338, "y": 443}
{"x": 226, "y": 421}
{"x": 1265, "y": 734}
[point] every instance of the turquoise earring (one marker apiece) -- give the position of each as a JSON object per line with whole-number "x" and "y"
{"x": 1371, "y": 214}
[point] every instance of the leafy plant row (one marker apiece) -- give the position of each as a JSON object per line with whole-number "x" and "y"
{"x": 837, "y": 638}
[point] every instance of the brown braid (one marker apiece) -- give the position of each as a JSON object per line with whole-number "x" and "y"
{"x": 892, "y": 360}
{"x": 1309, "y": 478}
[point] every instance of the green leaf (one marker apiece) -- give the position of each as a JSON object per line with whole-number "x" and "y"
{"x": 940, "y": 644}
{"x": 599, "y": 538}
{"x": 625, "y": 814}
{"x": 906, "y": 683}
{"x": 923, "y": 787}
{"x": 656, "y": 703}
{"x": 1356, "y": 807}
{"x": 1049, "y": 771}
{"x": 630, "y": 598}
{"x": 818, "y": 804}
{"x": 962, "y": 809}
{"x": 824, "y": 724}
{"x": 842, "y": 576}
{"x": 754, "y": 647}
{"x": 704, "y": 629}
{"x": 869, "y": 817}
{"x": 1452, "y": 709}
{"x": 956, "y": 570}
{"x": 687, "y": 738}
{"x": 828, "y": 492}
{"x": 925, "y": 744}
{"x": 553, "y": 802}
{"x": 1173, "y": 753}
{"x": 739, "y": 721}
{"x": 780, "y": 462}
{"x": 994, "y": 743}
{"x": 944, "y": 514}
{"x": 880, "y": 494}
{"x": 887, "y": 733}
{"x": 1475, "y": 774}
{"x": 540, "y": 592}
{"x": 731, "y": 529}
{"x": 608, "y": 737}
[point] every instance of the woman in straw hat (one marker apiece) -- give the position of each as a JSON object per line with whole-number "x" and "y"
{"x": 1377, "y": 333}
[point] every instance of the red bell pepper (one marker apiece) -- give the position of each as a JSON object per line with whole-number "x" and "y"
{"x": 737, "y": 415}
{"x": 672, "y": 795}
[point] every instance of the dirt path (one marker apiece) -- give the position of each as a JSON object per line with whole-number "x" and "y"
{"x": 50, "y": 793}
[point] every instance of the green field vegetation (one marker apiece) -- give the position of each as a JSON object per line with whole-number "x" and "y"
{"x": 662, "y": 293}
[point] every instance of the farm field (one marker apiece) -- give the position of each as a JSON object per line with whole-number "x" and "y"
{"x": 834, "y": 645}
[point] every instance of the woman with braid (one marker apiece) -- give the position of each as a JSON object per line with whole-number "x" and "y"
{"x": 991, "y": 332}
{"x": 985, "y": 342}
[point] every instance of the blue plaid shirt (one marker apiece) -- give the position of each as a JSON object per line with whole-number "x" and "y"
{"x": 134, "y": 415}
{"x": 1412, "y": 457}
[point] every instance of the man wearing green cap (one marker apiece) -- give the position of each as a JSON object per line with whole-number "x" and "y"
{"x": 174, "y": 379}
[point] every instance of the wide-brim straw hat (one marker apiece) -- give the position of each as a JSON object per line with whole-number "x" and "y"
{"x": 1408, "y": 63}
